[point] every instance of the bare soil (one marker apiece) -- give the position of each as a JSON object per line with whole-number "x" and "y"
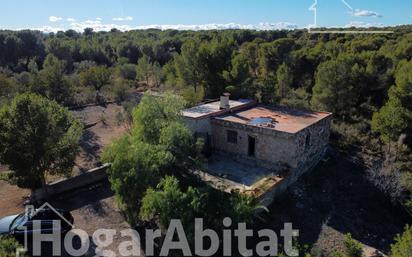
{"x": 95, "y": 208}
{"x": 12, "y": 199}
{"x": 104, "y": 128}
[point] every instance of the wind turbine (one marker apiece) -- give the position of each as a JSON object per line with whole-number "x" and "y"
{"x": 314, "y": 8}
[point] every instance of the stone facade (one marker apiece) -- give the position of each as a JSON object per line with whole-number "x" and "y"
{"x": 283, "y": 142}
{"x": 273, "y": 149}
{"x": 199, "y": 126}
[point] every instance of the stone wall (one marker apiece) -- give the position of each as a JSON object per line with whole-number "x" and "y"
{"x": 200, "y": 126}
{"x": 66, "y": 185}
{"x": 273, "y": 148}
{"x": 268, "y": 196}
{"x": 311, "y": 141}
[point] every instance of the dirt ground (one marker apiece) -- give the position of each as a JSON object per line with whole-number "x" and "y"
{"x": 104, "y": 128}
{"x": 336, "y": 199}
{"x": 92, "y": 208}
{"x": 95, "y": 208}
{"x": 12, "y": 199}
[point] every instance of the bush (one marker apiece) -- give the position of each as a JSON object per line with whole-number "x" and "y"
{"x": 403, "y": 245}
{"x": 170, "y": 201}
{"x": 352, "y": 248}
{"x": 8, "y": 246}
{"x": 8, "y": 177}
{"x": 127, "y": 71}
{"x": 121, "y": 90}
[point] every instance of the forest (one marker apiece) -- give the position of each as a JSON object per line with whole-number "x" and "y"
{"x": 364, "y": 80}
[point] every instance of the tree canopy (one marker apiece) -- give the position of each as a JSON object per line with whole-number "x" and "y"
{"x": 159, "y": 144}
{"x": 37, "y": 136}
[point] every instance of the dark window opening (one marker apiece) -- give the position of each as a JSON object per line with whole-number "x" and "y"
{"x": 252, "y": 146}
{"x": 307, "y": 142}
{"x": 232, "y": 136}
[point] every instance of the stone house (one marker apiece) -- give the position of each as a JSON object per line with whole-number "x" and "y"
{"x": 273, "y": 137}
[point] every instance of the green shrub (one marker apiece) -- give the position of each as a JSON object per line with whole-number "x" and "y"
{"x": 8, "y": 246}
{"x": 352, "y": 248}
{"x": 169, "y": 201}
{"x": 403, "y": 244}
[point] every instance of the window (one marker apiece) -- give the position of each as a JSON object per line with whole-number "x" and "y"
{"x": 232, "y": 136}
{"x": 307, "y": 141}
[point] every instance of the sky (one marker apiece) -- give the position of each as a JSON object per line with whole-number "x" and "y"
{"x": 54, "y": 15}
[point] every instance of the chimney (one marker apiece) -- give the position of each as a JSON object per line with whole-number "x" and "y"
{"x": 224, "y": 102}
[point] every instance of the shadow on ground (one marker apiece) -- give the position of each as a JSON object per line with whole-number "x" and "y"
{"x": 91, "y": 148}
{"x": 85, "y": 197}
{"x": 335, "y": 199}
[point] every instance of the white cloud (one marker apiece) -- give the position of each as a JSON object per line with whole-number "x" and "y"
{"x": 365, "y": 13}
{"x": 99, "y": 19}
{"x": 126, "y": 18}
{"x": 55, "y": 18}
{"x": 98, "y": 25}
{"x": 214, "y": 26}
{"x": 47, "y": 29}
{"x": 361, "y": 24}
{"x": 70, "y": 19}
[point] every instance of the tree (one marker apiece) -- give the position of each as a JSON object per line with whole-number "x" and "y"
{"x": 395, "y": 117}
{"x": 143, "y": 69}
{"x": 37, "y": 136}
{"x": 239, "y": 77}
{"x": 96, "y": 77}
{"x": 88, "y": 32}
{"x": 403, "y": 89}
{"x": 157, "y": 74}
{"x": 336, "y": 89}
{"x": 51, "y": 81}
{"x": 403, "y": 245}
{"x": 127, "y": 71}
{"x": 159, "y": 144}
{"x": 135, "y": 166}
{"x": 390, "y": 121}
{"x": 8, "y": 89}
{"x": 190, "y": 66}
{"x": 284, "y": 80}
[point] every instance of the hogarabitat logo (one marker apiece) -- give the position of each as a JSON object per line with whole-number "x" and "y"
{"x": 174, "y": 239}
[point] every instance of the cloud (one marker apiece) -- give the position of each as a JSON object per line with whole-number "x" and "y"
{"x": 99, "y": 19}
{"x": 70, "y": 19}
{"x": 365, "y": 13}
{"x": 98, "y": 25}
{"x": 215, "y": 26}
{"x": 126, "y": 18}
{"x": 55, "y": 18}
{"x": 361, "y": 24}
{"x": 47, "y": 29}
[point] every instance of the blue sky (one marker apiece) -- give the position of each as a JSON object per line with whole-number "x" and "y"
{"x": 128, "y": 14}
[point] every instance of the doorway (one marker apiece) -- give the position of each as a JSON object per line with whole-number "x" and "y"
{"x": 252, "y": 146}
